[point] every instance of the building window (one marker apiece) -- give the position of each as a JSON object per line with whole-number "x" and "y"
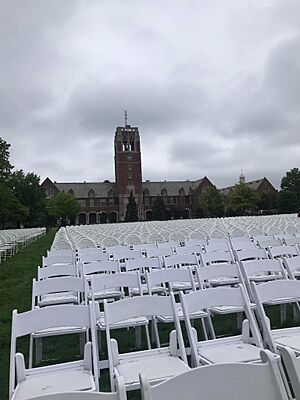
{"x": 49, "y": 192}
{"x": 129, "y": 175}
{"x": 92, "y": 202}
{"x": 129, "y": 167}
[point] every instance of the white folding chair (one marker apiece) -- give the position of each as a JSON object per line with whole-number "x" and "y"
{"x": 239, "y": 348}
{"x": 272, "y": 293}
{"x": 160, "y": 363}
{"x": 228, "y": 381}
{"x": 69, "y": 376}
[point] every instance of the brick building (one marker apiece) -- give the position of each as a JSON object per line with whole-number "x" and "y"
{"x": 106, "y": 201}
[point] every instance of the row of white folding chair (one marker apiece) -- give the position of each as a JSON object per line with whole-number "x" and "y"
{"x": 215, "y": 299}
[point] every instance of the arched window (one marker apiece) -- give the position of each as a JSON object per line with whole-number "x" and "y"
{"x": 71, "y": 192}
{"x": 164, "y": 192}
{"x": 91, "y": 195}
{"x": 146, "y": 197}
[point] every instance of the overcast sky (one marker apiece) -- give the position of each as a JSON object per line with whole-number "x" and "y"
{"x": 214, "y": 86}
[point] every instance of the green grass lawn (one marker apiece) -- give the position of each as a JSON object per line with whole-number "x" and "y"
{"x": 16, "y": 276}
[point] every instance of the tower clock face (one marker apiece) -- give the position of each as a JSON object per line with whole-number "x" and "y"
{"x": 129, "y": 158}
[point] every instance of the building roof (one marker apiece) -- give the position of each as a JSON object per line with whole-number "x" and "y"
{"x": 172, "y": 187}
{"x": 81, "y": 189}
{"x": 251, "y": 184}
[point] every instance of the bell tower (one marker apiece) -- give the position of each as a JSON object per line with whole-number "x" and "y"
{"x": 128, "y": 166}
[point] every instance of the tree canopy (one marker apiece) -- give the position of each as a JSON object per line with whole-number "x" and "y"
{"x": 211, "y": 203}
{"x": 131, "y": 210}
{"x": 159, "y": 209}
{"x": 242, "y": 200}
{"x": 63, "y": 205}
{"x": 289, "y": 196}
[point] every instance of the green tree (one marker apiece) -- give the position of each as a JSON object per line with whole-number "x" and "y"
{"x": 242, "y": 200}
{"x": 211, "y": 203}
{"x": 131, "y": 210}
{"x": 287, "y": 202}
{"x": 289, "y": 196}
{"x": 26, "y": 187}
{"x": 159, "y": 209}
{"x": 12, "y": 212}
{"x": 63, "y": 205}
{"x": 5, "y": 165}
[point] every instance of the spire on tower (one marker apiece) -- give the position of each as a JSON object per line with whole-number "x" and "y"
{"x": 242, "y": 177}
{"x": 125, "y": 117}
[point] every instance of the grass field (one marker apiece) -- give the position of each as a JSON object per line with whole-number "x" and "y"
{"x": 16, "y": 276}
{"x": 15, "y": 293}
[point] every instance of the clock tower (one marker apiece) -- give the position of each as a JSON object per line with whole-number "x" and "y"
{"x": 128, "y": 167}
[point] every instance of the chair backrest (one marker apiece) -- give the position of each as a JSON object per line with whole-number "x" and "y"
{"x": 217, "y": 246}
{"x": 250, "y": 254}
{"x": 216, "y": 257}
{"x": 125, "y": 254}
{"x": 292, "y": 265}
{"x": 119, "y": 279}
{"x": 269, "y": 243}
{"x": 283, "y": 251}
{"x": 292, "y": 367}
{"x": 204, "y": 275}
{"x": 142, "y": 264}
{"x": 189, "y": 249}
{"x": 161, "y": 251}
{"x": 168, "y": 276}
{"x": 243, "y": 245}
{"x": 56, "y": 271}
{"x": 94, "y": 256}
{"x": 98, "y": 267}
{"x": 56, "y": 285}
{"x": 180, "y": 261}
{"x": 291, "y": 241}
{"x": 222, "y": 381}
{"x": 57, "y": 259}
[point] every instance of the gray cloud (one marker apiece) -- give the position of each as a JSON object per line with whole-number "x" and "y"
{"x": 213, "y": 87}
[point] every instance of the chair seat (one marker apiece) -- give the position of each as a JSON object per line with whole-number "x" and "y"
{"x": 229, "y": 309}
{"x": 169, "y": 318}
{"x": 61, "y": 330}
{"x": 264, "y": 277}
{"x": 176, "y": 286}
{"x": 289, "y": 337}
{"x": 229, "y": 352}
{"x": 75, "y": 379}
{"x": 158, "y": 367}
{"x": 58, "y": 298}
{"x": 131, "y": 322}
{"x": 220, "y": 281}
{"x": 108, "y": 293}
{"x": 154, "y": 290}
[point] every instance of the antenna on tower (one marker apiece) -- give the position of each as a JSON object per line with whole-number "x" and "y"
{"x": 125, "y": 117}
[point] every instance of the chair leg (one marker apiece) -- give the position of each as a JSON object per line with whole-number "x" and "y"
{"x": 282, "y": 313}
{"x": 30, "y": 351}
{"x": 38, "y": 350}
{"x": 138, "y": 337}
{"x": 148, "y": 337}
